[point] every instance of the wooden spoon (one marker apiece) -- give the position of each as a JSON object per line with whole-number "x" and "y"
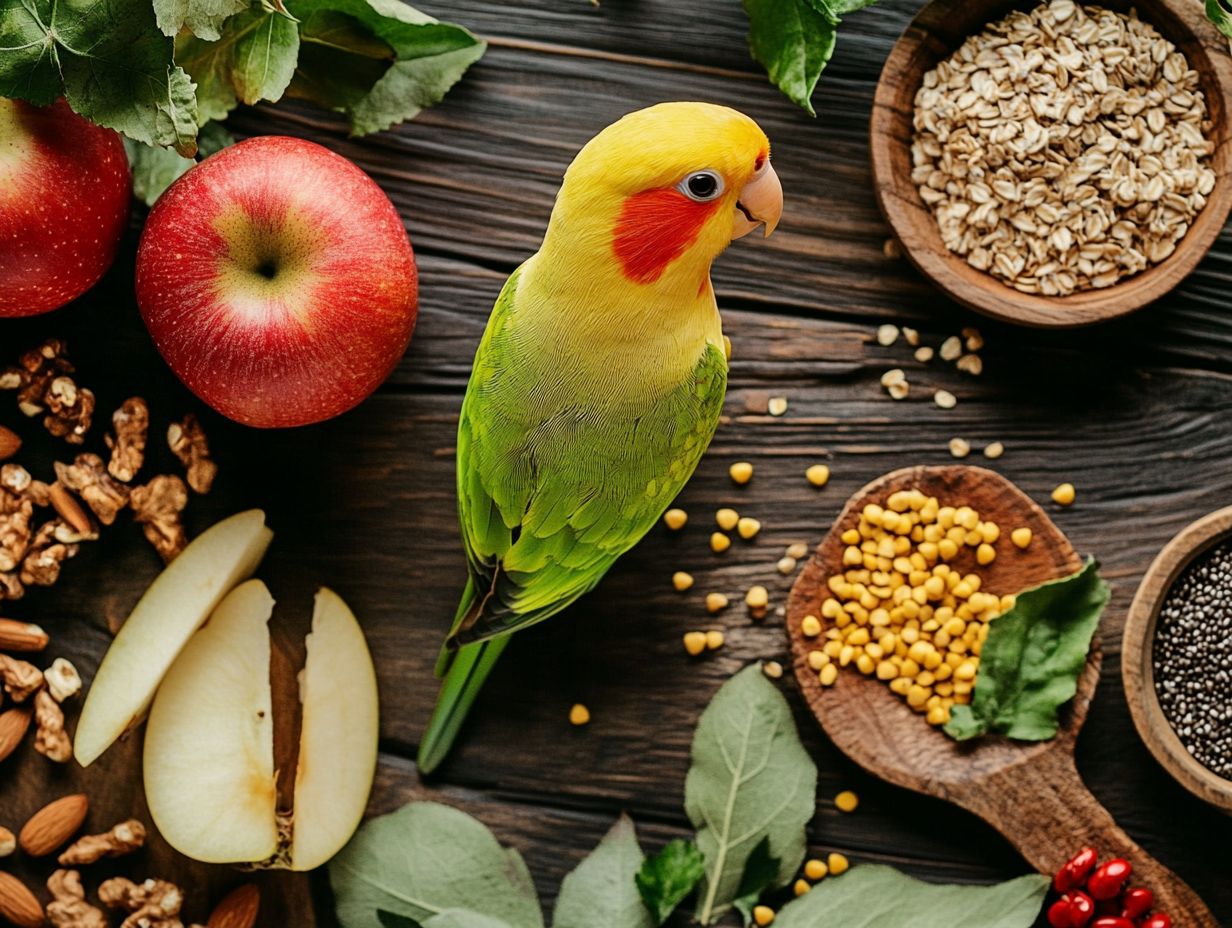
{"x": 1030, "y": 792}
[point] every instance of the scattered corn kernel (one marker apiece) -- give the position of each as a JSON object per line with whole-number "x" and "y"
{"x": 994, "y": 450}
{"x": 579, "y": 715}
{"x": 1064, "y": 494}
{"x": 748, "y": 528}
{"x": 763, "y": 915}
{"x": 797, "y": 550}
{"x": 971, "y": 364}
{"x": 959, "y": 447}
{"x": 716, "y": 602}
{"x": 682, "y": 581}
{"x": 675, "y": 519}
{"x": 828, "y": 674}
{"x": 818, "y": 659}
{"x": 818, "y": 475}
{"x": 899, "y": 390}
{"x": 714, "y": 640}
{"x": 912, "y": 336}
{"x": 777, "y": 405}
{"x": 800, "y": 887}
{"x": 924, "y": 354}
{"x": 695, "y": 643}
{"x": 846, "y": 801}
{"x": 719, "y": 542}
{"x": 726, "y": 519}
{"x": 838, "y": 864}
{"x": 887, "y": 335}
{"x": 945, "y": 399}
{"x": 1021, "y": 537}
{"x": 772, "y": 669}
{"x": 892, "y": 376}
{"x": 816, "y": 870}
{"x": 786, "y": 565}
{"x": 951, "y": 348}
{"x": 973, "y": 338}
{"x": 985, "y": 554}
{"x": 810, "y": 626}
{"x": 741, "y": 472}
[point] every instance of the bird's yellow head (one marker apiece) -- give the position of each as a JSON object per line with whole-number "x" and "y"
{"x": 661, "y": 192}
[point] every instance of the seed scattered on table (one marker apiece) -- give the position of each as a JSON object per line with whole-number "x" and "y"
{"x": 911, "y": 336}
{"x": 945, "y": 399}
{"x": 797, "y": 550}
{"x": 846, "y": 801}
{"x": 924, "y": 354}
{"x": 959, "y": 447}
{"x": 694, "y": 643}
{"x": 726, "y": 519}
{"x": 1064, "y": 494}
{"x": 675, "y": 519}
{"x": 786, "y": 565}
{"x": 887, "y": 335}
{"x": 810, "y": 626}
{"x": 682, "y": 581}
{"x": 719, "y": 542}
{"x": 994, "y": 450}
{"x": 579, "y": 715}
{"x": 1021, "y": 537}
{"x": 763, "y": 915}
{"x": 837, "y": 864}
{"x": 777, "y": 405}
{"x": 951, "y": 349}
{"x": 816, "y": 870}
{"x": 716, "y": 602}
{"x": 757, "y": 597}
{"x": 972, "y": 338}
{"x": 741, "y": 472}
{"x": 828, "y": 674}
{"x": 970, "y": 364}
{"x": 818, "y": 475}
{"x": 800, "y": 887}
{"x": 747, "y": 528}
{"x": 714, "y": 640}
{"x": 772, "y": 669}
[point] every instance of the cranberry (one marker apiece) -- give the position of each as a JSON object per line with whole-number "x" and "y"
{"x": 1075, "y": 870}
{"x": 1081, "y": 908}
{"x": 1137, "y": 901}
{"x": 1112, "y": 921}
{"x": 1108, "y": 878}
{"x": 1059, "y": 914}
{"x": 1158, "y": 920}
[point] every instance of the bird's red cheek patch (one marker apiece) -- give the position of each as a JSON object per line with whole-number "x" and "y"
{"x": 654, "y": 229}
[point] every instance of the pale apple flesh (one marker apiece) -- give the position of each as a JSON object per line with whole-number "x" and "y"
{"x": 339, "y": 735}
{"x": 209, "y": 743}
{"x": 177, "y": 603}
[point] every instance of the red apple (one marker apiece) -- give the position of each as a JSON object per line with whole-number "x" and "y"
{"x": 64, "y": 192}
{"x": 278, "y": 282}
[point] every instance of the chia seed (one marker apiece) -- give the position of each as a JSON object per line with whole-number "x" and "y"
{"x": 1192, "y": 659}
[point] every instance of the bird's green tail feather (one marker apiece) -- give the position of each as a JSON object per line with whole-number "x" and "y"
{"x": 470, "y": 666}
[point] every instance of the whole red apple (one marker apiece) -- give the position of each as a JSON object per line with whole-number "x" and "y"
{"x": 278, "y": 282}
{"x": 64, "y": 192}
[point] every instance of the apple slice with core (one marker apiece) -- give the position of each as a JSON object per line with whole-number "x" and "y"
{"x": 209, "y": 742}
{"x": 179, "y": 600}
{"x": 338, "y": 736}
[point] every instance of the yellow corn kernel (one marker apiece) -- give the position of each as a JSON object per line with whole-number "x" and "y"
{"x": 716, "y": 602}
{"x": 714, "y": 640}
{"x": 675, "y": 519}
{"x": 747, "y": 528}
{"x": 682, "y": 581}
{"x": 985, "y": 554}
{"x": 579, "y": 715}
{"x": 965, "y": 671}
{"x": 830, "y": 608}
{"x": 850, "y": 537}
{"x": 810, "y": 626}
{"x": 886, "y": 671}
{"x": 938, "y": 715}
{"x": 726, "y": 519}
{"x": 695, "y": 642}
{"x": 900, "y": 685}
{"x": 832, "y": 649}
{"x": 846, "y": 801}
{"x": 874, "y": 650}
{"x": 852, "y": 557}
{"x": 909, "y": 635}
{"x": 1064, "y": 494}
{"x": 944, "y": 689}
{"x": 818, "y": 475}
{"x": 816, "y": 869}
{"x": 918, "y": 695}
{"x": 918, "y": 651}
{"x": 1021, "y": 537}
{"x": 800, "y": 887}
{"x": 858, "y": 637}
{"x": 925, "y": 678}
{"x": 943, "y": 671}
{"x": 828, "y": 675}
{"x": 872, "y": 514}
{"x": 908, "y": 668}
{"x": 865, "y": 664}
{"x": 719, "y": 542}
{"x": 763, "y": 915}
{"x": 758, "y": 598}
{"x": 846, "y": 655}
{"x": 963, "y": 687}
{"x": 838, "y": 864}
{"x": 947, "y": 548}
{"x": 818, "y": 659}
{"x": 741, "y": 472}
{"x": 990, "y": 530}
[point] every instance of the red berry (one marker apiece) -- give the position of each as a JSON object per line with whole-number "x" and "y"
{"x": 1112, "y": 921}
{"x": 1137, "y": 901}
{"x": 1059, "y": 914}
{"x": 1108, "y": 878}
{"x": 1081, "y": 908}
{"x": 1075, "y": 870}
{"x": 1158, "y": 920}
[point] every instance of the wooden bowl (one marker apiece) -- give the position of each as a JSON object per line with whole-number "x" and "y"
{"x": 1137, "y": 666}
{"x": 938, "y": 30}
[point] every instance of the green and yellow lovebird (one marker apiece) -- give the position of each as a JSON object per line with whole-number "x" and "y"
{"x": 599, "y": 380}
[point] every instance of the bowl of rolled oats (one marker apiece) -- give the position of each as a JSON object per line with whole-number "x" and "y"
{"x": 1055, "y": 163}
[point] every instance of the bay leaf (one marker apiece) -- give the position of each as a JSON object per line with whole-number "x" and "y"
{"x": 602, "y": 889}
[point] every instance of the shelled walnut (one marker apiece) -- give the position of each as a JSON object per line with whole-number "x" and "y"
{"x": 131, "y": 424}
{"x": 88, "y": 478}
{"x": 68, "y": 907}
{"x": 157, "y": 506}
{"x": 152, "y": 904}
{"x": 51, "y": 740}
{"x": 187, "y": 441}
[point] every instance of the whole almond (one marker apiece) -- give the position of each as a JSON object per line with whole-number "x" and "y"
{"x": 8, "y": 842}
{"x": 13, "y": 727}
{"x": 238, "y": 909}
{"x": 53, "y": 825}
{"x": 21, "y": 636}
{"x": 66, "y": 505}
{"x": 17, "y": 904}
{"x": 10, "y": 443}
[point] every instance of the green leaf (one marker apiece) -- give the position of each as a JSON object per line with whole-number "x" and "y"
{"x": 425, "y": 860}
{"x": 203, "y": 18}
{"x": 390, "y": 920}
{"x": 156, "y": 169}
{"x": 871, "y": 896}
{"x": 1031, "y": 661}
{"x": 429, "y": 58}
{"x": 1220, "y": 15}
{"x": 760, "y": 871}
{"x": 340, "y": 60}
{"x": 253, "y": 60}
{"x": 667, "y": 878}
{"x": 108, "y": 58}
{"x": 750, "y": 780}
{"x": 602, "y": 890}
{"x": 464, "y": 918}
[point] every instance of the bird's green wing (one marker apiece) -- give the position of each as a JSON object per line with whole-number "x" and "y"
{"x": 555, "y": 483}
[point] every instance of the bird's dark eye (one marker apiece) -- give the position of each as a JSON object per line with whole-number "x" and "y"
{"x": 702, "y": 186}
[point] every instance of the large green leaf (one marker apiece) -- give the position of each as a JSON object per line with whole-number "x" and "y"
{"x": 203, "y": 18}
{"x": 464, "y": 918}
{"x": 1030, "y": 663}
{"x": 156, "y": 169}
{"x": 750, "y": 781}
{"x": 252, "y": 61}
{"x": 107, "y": 57}
{"x": 667, "y": 878}
{"x": 427, "y": 859}
{"x": 602, "y": 889}
{"x": 428, "y": 58}
{"x": 872, "y": 896}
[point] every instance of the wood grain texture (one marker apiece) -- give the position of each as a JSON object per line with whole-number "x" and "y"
{"x": 1134, "y": 413}
{"x": 1137, "y": 663}
{"x": 939, "y": 29}
{"x": 1030, "y": 792}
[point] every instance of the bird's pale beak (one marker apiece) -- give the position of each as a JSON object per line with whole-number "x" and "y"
{"x": 760, "y": 203}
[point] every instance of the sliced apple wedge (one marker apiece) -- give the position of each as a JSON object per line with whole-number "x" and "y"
{"x": 338, "y": 736}
{"x": 209, "y": 742}
{"x": 177, "y": 603}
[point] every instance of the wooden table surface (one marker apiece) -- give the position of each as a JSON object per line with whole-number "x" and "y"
{"x": 1135, "y": 414}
